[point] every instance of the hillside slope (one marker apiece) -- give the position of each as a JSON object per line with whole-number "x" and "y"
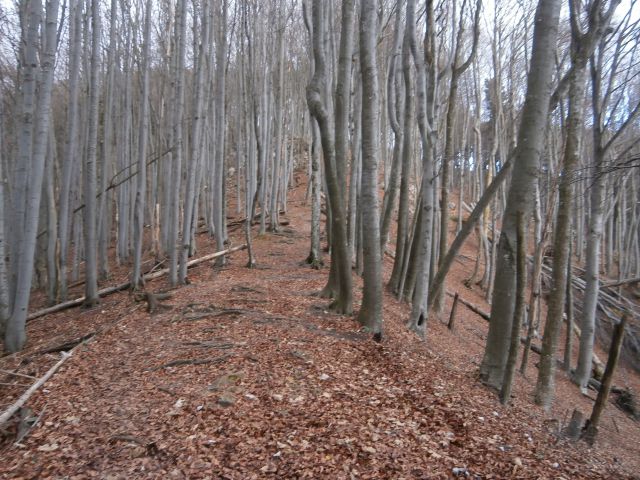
{"x": 279, "y": 388}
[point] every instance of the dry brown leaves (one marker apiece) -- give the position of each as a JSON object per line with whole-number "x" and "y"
{"x": 279, "y": 388}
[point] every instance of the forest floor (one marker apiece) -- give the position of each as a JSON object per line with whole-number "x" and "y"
{"x": 280, "y": 388}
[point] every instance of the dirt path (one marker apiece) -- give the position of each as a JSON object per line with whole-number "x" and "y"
{"x": 279, "y": 388}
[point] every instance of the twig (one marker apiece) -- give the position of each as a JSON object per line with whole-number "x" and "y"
{"x": 8, "y": 413}
{"x": 9, "y": 372}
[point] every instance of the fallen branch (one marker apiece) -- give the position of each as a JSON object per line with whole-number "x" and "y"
{"x": 123, "y": 286}
{"x": 598, "y": 364}
{"x": 8, "y": 413}
{"x": 9, "y": 372}
{"x": 68, "y": 345}
{"x": 471, "y": 306}
{"x": 627, "y": 281}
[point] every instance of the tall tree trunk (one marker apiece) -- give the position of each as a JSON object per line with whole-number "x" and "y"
{"x": 520, "y": 197}
{"x": 316, "y": 99}
{"x": 178, "y": 140}
{"x": 402, "y": 228}
{"x": 419, "y": 310}
{"x": 71, "y": 147}
{"x": 4, "y": 274}
{"x": 141, "y": 191}
{"x": 457, "y": 69}
{"x": 371, "y": 311}
{"x": 15, "y": 334}
{"x": 220, "y": 114}
{"x": 90, "y": 171}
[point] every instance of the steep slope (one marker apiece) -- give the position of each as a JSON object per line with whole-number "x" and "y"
{"x": 277, "y": 387}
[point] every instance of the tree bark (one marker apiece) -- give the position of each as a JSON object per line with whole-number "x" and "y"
{"x": 530, "y": 140}
{"x": 15, "y": 335}
{"x": 317, "y": 105}
{"x": 370, "y": 313}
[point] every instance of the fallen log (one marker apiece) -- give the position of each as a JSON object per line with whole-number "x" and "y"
{"x": 123, "y": 286}
{"x": 619, "y": 283}
{"x": 9, "y": 412}
{"x": 597, "y": 363}
{"x": 475, "y": 309}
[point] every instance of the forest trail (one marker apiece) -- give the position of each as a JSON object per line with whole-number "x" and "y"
{"x": 280, "y": 388}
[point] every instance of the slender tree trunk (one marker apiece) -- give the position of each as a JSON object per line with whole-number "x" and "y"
{"x": 395, "y": 104}
{"x": 138, "y": 224}
{"x": 4, "y": 274}
{"x": 71, "y": 148}
{"x": 219, "y": 210}
{"x": 402, "y": 228}
{"x": 178, "y": 140}
{"x": 371, "y": 311}
{"x": 519, "y": 311}
{"x": 90, "y": 171}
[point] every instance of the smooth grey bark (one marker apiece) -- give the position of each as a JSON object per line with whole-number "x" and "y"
{"x": 71, "y": 147}
{"x": 220, "y": 115}
{"x": 143, "y": 133}
{"x": 601, "y": 147}
{"x": 458, "y": 67}
{"x": 467, "y": 227}
{"x": 90, "y": 170}
{"x": 520, "y": 196}
{"x": 395, "y": 104}
{"x": 178, "y": 140}
{"x": 519, "y": 311}
{"x": 545, "y": 385}
{"x": 370, "y": 313}
{"x": 315, "y": 254}
{"x": 402, "y": 229}
{"x": 540, "y": 237}
{"x": 569, "y": 311}
{"x": 341, "y": 142}
{"x": 4, "y": 274}
{"x": 316, "y": 100}
{"x": 193, "y": 167}
{"x": 354, "y": 174}
{"x": 50, "y": 219}
{"x": 419, "y": 311}
{"x": 274, "y": 210}
{"x": 15, "y": 334}
{"x": 105, "y": 201}
{"x": 342, "y": 95}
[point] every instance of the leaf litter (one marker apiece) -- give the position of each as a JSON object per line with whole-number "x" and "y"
{"x": 298, "y": 392}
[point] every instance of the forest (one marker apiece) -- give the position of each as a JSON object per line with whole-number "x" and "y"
{"x": 332, "y": 239}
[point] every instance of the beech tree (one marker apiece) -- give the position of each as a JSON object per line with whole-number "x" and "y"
{"x": 530, "y": 138}
{"x": 316, "y": 98}
{"x": 371, "y": 311}
{"x": 141, "y": 135}
{"x": 36, "y": 87}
